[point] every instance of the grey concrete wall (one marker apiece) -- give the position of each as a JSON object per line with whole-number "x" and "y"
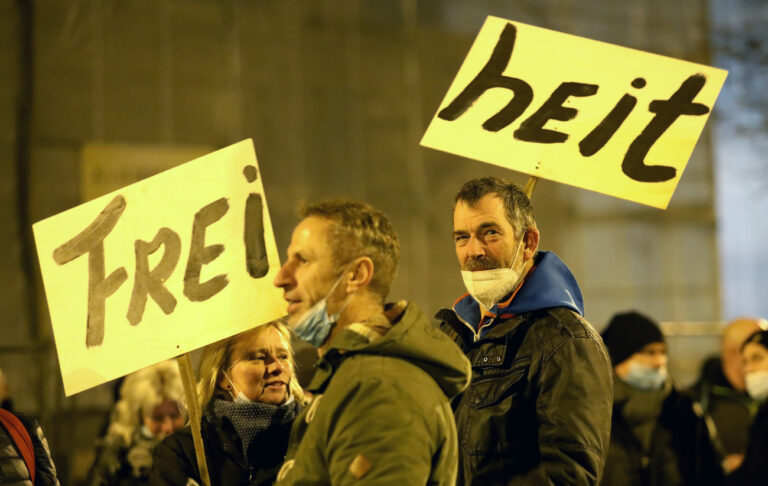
{"x": 336, "y": 95}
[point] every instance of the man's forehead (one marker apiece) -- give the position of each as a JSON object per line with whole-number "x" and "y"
{"x": 489, "y": 209}
{"x": 751, "y": 349}
{"x": 657, "y": 346}
{"x": 311, "y": 236}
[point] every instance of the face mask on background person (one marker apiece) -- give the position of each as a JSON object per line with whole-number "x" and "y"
{"x": 644, "y": 377}
{"x": 757, "y": 385}
{"x": 315, "y": 325}
{"x": 488, "y": 286}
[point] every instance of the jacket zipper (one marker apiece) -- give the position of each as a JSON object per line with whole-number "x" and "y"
{"x": 476, "y": 335}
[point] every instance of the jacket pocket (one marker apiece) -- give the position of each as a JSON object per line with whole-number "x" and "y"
{"x": 495, "y": 384}
{"x": 495, "y": 414}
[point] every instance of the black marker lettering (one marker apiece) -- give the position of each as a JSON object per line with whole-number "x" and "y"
{"x": 667, "y": 111}
{"x": 255, "y": 247}
{"x": 91, "y": 241}
{"x": 491, "y": 77}
{"x": 597, "y": 138}
{"x": 532, "y": 129}
{"x": 200, "y": 255}
{"x": 148, "y": 282}
{"x": 250, "y": 173}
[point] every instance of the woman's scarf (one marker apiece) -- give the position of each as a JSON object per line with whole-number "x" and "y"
{"x": 249, "y": 419}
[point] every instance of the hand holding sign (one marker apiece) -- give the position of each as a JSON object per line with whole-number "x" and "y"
{"x": 160, "y": 267}
{"x": 579, "y": 125}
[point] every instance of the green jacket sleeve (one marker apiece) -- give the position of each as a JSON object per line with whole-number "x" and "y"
{"x": 379, "y": 435}
{"x": 574, "y": 409}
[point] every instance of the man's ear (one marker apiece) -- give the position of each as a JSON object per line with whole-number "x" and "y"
{"x": 530, "y": 243}
{"x": 362, "y": 273}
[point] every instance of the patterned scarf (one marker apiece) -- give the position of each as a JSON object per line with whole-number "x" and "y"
{"x": 250, "y": 419}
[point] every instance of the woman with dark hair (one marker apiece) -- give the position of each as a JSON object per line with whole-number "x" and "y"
{"x": 249, "y": 396}
{"x": 754, "y": 468}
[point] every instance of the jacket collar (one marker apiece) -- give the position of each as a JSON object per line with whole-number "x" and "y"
{"x": 549, "y": 283}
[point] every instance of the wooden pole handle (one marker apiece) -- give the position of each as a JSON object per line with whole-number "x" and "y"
{"x": 193, "y": 405}
{"x": 530, "y": 185}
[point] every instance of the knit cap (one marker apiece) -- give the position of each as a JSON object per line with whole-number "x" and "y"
{"x": 627, "y": 333}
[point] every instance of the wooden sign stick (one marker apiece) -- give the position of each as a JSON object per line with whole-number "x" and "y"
{"x": 530, "y": 185}
{"x": 188, "y": 379}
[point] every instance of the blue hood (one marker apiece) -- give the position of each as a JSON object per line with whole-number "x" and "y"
{"x": 549, "y": 284}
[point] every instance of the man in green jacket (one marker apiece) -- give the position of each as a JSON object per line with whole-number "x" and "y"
{"x": 380, "y": 412}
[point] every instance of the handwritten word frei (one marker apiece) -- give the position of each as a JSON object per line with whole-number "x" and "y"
{"x": 151, "y": 282}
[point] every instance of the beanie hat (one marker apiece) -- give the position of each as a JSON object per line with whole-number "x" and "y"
{"x": 627, "y": 333}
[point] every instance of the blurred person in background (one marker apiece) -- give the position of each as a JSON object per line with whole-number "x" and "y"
{"x": 658, "y": 437}
{"x": 25, "y": 458}
{"x": 150, "y": 408}
{"x": 721, "y": 391}
{"x": 754, "y": 468}
{"x": 5, "y": 397}
{"x": 249, "y": 396}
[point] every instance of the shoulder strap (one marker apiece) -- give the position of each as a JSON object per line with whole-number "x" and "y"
{"x": 21, "y": 438}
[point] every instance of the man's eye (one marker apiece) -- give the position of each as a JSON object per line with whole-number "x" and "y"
{"x": 460, "y": 238}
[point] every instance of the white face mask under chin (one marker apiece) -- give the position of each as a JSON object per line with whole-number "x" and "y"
{"x": 489, "y": 286}
{"x": 757, "y": 385}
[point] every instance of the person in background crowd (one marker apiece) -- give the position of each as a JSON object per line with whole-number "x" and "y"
{"x": 753, "y": 470}
{"x": 722, "y": 393}
{"x": 380, "y": 412}
{"x": 25, "y": 458}
{"x": 150, "y": 408}
{"x": 539, "y": 406}
{"x": 249, "y": 396}
{"x": 658, "y": 437}
{"x": 6, "y": 402}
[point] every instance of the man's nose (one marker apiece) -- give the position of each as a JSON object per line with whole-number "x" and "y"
{"x": 475, "y": 248}
{"x": 660, "y": 360}
{"x": 281, "y": 279}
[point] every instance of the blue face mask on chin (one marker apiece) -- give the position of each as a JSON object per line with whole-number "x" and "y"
{"x": 644, "y": 377}
{"x": 316, "y": 324}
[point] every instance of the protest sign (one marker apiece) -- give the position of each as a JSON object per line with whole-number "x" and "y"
{"x": 160, "y": 267}
{"x": 577, "y": 111}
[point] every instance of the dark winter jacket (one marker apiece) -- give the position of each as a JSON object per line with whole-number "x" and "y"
{"x": 121, "y": 464}
{"x": 13, "y": 469}
{"x": 175, "y": 459}
{"x": 538, "y": 410}
{"x": 381, "y": 412}
{"x": 731, "y": 411}
{"x": 754, "y": 470}
{"x": 679, "y": 451}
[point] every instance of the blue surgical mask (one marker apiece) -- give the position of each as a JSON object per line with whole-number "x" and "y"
{"x": 644, "y": 377}
{"x": 316, "y": 324}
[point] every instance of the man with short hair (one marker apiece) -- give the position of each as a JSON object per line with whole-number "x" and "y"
{"x": 538, "y": 408}
{"x": 381, "y": 412}
{"x": 658, "y": 436}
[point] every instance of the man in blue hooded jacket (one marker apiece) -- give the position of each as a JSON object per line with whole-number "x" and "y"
{"x": 538, "y": 410}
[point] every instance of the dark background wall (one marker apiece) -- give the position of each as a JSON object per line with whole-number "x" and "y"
{"x": 336, "y": 95}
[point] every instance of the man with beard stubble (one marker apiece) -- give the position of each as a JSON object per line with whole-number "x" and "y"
{"x": 538, "y": 409}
